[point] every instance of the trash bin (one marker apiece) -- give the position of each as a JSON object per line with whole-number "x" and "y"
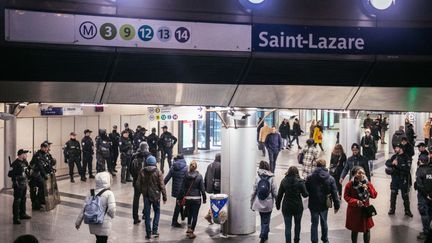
{"x": 219, "y": 207}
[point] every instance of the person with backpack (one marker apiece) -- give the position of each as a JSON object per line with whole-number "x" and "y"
{"x": 177, "y": 172}
{"x": 310, "y": 156}
{"x": 99, "y": 209}
{"x": 291, "y": 189}
{"x": 423, "y": 185}
{"x": 263, "y": 197}
{"x": 322, "y": 193}
{"x": 192, "y": 190}
{"x": 150, "y": 183}
{"x": 166, "y": 145}
{"x": 137, "y": 165}
{"x": 357, "y": 193}
{"x": 126, "y": 153}
{"x": 212, "y": 181}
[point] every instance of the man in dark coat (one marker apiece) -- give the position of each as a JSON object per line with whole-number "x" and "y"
{"x": 355, "y": 160}
{"x": 274, "y": 145}
{"x": 399, "y": 163}
{"x": 72, "y": 156}
{"x": 320, "y": 184}
{"x": 166, "y": 145}
{"x": 114, "y": 137}
{"x": 126, "y": 152}
{"x": 177, "y": 172}
{"x": 152, "y": 141}
{"x": 212, "y": 181}
{"x": 87, "y": 153}
{"x": 19, "y": 173}
{"x": 369, "y": 148}
{"x": 423, "y": 185}
{"x": 397, "y": 136}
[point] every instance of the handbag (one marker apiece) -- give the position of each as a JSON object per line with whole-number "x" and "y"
{"x": 182, "y": 201}
{"x": 329, "y": 202}
{"x": 300, "y": 158}
{"x": 369, "y": 211}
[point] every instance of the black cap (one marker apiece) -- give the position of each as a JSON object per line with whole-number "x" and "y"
{"x": 164, "y": 127}
{"x": 421, "y": 145}
{"x": 87, "y": 131}
{"x": 355, "y": 145}
{"x": 115, "y": 127}
{"x": 126, "y": 124}
{"x": 144, "y": 129}
{"x": 46, "y": 144}
{"x": 72, "y": 134}
{"x": 22, "y": 151}
{"x": 154, "y": 129}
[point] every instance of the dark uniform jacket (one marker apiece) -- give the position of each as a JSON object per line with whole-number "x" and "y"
{"x": 103, "y": 146}
{"x": 402, "y": 169}
{"x": 41, "y": 165}
{"x": 126, "y": 147}
{"x": 138, "y": 138}
{"x": 152, "y": 141}
{"x": 87, "y": 145}
{"x": 167, "y": 141}
{"x": 72, "y": 150}
{"x": 114, "y": 137}
{"x": 356, "y": 161}
{"x": 423, "y": 182}
{"x": 19, "y": 173}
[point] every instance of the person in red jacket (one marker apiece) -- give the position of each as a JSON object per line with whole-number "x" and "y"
{"x": 357, "y": 193}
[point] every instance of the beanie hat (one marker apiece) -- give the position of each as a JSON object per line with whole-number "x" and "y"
{"x": 355, "y": 145}
{"x": 151, "y": 160}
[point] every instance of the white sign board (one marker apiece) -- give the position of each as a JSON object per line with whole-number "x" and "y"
{"x": 73, "y": 29}
{"x": 181, "y": 113}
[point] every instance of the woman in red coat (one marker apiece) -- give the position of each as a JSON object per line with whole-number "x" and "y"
{"x": 357, "y": 193}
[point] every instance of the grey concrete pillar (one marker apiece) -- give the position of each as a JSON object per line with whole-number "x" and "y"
{"x": 395, "y": 121}
{"x": 9, "y": 143}
{"x": 350, "y": 130}
{"x": 238, "y": 157}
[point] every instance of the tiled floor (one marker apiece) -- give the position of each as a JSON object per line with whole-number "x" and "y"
{"x": 58, "y": 225}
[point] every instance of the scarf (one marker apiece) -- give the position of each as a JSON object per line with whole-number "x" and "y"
{"x": 361, "y": 192}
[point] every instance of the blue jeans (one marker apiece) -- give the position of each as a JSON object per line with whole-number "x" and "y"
{"x": 322, "y": 217}
{"x": 297, "y": 226}
{"x": 265, "y": 225}
{"x": 272, "y": 158}
{"x": 156, "y": 208}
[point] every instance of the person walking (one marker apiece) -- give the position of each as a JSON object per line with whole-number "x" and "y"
{"x": 367, "y": 123}
{"x": 192, "y": 190}
{"x": 312, "y": 128}
{"x": 355, "y": 160}
{"x": 291, "y": 189}
{"x": 397, "y": 136}
{"x": 423, "y": 185}
{"x": 166, "y": 145}
{"x": 399, "y": 165}
{"x": 318, "y": 135}
{"x": 263, "y": 197}
{"x": 357, "y": 193}
{"x": 337, "y": 163}
{"x": 284, "y": 130}
{"x": 274, "y": 145}
{"x": 150, "y": 183}
{"x": 297, "y": 131}
{"x": 369, "y": 148}
{"x": 212, "y": 181}
{"x": 310, "y": 156}
{"x": 384, "y": 127}
{"x": 264, "y": 132}
{"x": 322, "y": 191}
{"x": 108, "y": 205}
{"x": 177, "y": 172}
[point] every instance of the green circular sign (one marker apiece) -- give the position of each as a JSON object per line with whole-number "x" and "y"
{"x": 108, "y": 31}
{"x": 127, "y": 32}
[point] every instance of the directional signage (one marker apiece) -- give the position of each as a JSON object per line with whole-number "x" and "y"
{"x": 181, "y": 113}
{"x": 74, "y": 29}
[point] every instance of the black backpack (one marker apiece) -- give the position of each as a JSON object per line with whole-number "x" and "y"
{"x": 263, "y": 188}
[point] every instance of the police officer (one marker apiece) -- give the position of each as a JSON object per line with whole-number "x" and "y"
{"x": 152, "y": 141}
{"x": 399, "y": 163}
{"x": 40, "y": 168}
{"x": 423, "y": 185}
{"x": 87, "y": 152}
{"x": 139, "y": 137}
{"x": 19, "y": 173}
{"x": 166, "y": 144}
{"x": 126, "y": 150}
{"x": 115, "y": 140}
{"x": 422, "y": 149}
{"x": 72, "y": 155}
{"x": 103, "y": 152}
{"x": 128, "y": 130}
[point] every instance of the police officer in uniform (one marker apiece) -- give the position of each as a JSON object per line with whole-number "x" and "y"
{"x": 87, "y": 152}
{"x": 400, "y": 165}
{"x": 128, "y": 130}
{"x": 19, "y": 173}
{"x": 139, "y": 137}
{"x": 126, "y": 150}
{"x": 40, "y": 168}
{"x": 423, "y": 185}
{"x": 72, "y": 155}
{"x": 152, "y": 141}
{"x": 103, "y": 152}
{"x": 115, "y": 140}
{"x": 166, "y": 144}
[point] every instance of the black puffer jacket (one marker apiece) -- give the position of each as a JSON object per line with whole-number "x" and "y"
{"x": 195, "y": 182}
{"x": 319, "y": 184}
{"x": 291, "y": 189}
{"x": 178, "y": 172}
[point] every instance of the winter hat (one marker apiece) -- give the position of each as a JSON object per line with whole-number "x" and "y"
{"x": 143, "y": 147}
{"x": 151, "y": 160}
{"x": 355, "y": 145}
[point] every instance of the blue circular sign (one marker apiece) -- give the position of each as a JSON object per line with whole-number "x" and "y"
{"x": 182, "y": 34}
{"x": 145, "y": 33}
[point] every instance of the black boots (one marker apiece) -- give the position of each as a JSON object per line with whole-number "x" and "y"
{"x": 123, "y": 175}
{"x": 393, "y": 196}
